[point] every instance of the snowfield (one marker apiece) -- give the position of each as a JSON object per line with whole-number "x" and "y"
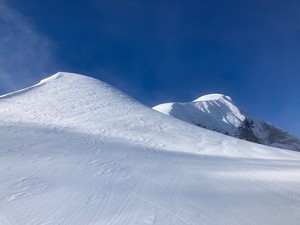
{"x": 76, "y": 151}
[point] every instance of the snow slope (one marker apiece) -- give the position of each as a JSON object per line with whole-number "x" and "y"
{"x": 217, "y": 112}
{"x": 76, "y": 151}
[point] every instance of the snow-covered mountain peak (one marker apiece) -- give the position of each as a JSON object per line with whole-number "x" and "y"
{"x": 66, "y": 99}
{"x": 218, "y": 112}
{"x": 54, "y": 77}
{"x": 71, "y": 80}
{"x": 213, "y": 97}
{"x": 62, "y": 84}
{"x": 62, "y": 77}
{"x": 215, "y": 111}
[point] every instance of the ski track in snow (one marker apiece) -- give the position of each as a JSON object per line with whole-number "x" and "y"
{"x": 99, "y": 157}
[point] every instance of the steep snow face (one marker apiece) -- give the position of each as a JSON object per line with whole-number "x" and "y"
{"x": 217, "y": 112}
{"x": 76, "y": 151}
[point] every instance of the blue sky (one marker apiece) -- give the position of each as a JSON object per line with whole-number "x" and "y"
{"x": 160, "y": 51}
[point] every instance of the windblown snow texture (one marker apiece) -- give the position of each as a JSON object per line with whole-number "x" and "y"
{"x": 75, "y": 151}
{"x": 217, "y": 112}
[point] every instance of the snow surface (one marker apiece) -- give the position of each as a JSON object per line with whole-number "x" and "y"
{"x": 76, "y": 151}
{"x": 217, "y": 112}
{"x": 213, "y": 97}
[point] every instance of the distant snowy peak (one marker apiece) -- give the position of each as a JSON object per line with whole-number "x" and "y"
{"x": 213, "y": 97}
{"x": 217, "y": 112}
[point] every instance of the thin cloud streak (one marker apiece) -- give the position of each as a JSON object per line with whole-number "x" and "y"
{"x": 25, "y": 55}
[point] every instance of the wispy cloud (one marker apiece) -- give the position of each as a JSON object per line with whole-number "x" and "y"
{"x": 25, "y": 55}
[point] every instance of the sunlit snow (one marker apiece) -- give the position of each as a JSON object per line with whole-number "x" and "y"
{"x": 76, "y": 151}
